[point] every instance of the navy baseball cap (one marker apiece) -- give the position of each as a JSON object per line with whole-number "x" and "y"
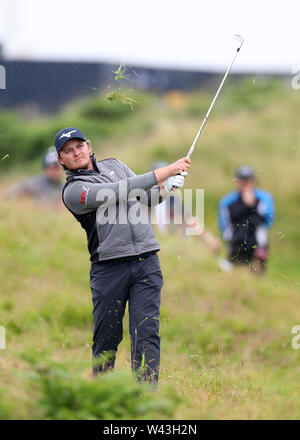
{"x": 65, "y": 135}
{"x": 245, "y": 172}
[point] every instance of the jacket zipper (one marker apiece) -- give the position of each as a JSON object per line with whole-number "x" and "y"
{"x": 133, "y": 237}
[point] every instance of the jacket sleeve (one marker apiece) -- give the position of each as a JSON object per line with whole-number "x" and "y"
{"x": 224, "y": 218}
{"x": 224, "y": 222}
{"x": 152, "y": 196}
{"x": 82, "y": 197}
{"x": 265, "y": 207}
{"x": 29, "y": 187}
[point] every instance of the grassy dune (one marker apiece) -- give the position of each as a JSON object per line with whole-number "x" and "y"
{"x": 226, "y": 337}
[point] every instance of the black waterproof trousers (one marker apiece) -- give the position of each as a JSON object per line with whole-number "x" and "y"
{"x": 137, "y": 280}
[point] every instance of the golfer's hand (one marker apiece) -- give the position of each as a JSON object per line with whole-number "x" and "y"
{"x": 175, "y": 168}
{"x": 174, "y": 182}
{"x": 179, "y": 166}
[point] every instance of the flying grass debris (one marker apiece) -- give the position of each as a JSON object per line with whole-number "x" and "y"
{"x": 5, "y": 157}
{"x": 122, "y": 98}
{"x": 120, "y": 73}
{"x": 120, "y": 95}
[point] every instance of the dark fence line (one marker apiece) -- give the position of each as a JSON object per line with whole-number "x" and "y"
{"x": 48, "y": 85}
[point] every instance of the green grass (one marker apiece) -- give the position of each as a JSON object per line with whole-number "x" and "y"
{"x": 225, "y": 337}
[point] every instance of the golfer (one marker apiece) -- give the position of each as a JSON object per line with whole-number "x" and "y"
{"x": 110, "y": 202}
{"x": 245, "y": 217}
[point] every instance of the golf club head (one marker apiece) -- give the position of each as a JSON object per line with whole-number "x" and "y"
{"x": 239, "y": 38}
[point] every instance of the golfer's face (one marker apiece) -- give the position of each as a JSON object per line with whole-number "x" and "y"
{"x": 75, "y": 154}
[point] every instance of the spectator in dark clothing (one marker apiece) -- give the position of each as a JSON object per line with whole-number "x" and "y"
{"x": 244, "y": 218}
{"x": 45, "y": 188}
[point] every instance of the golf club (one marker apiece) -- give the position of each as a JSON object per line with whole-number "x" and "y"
{"x": 241, "y": 40}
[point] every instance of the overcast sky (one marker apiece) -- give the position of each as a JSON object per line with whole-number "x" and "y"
{"x": 187, "y": 34}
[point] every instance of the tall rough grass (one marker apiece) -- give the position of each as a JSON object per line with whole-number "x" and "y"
{"x": 225, "y": 337}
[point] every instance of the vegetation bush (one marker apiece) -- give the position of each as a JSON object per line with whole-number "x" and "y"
{"x": 64, "y": 394}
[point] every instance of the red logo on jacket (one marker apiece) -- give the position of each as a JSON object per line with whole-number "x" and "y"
{"x": 83, "y": 197}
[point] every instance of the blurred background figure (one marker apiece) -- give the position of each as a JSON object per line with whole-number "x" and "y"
{"x": 172, "y": 215}
{"x": 168, "y": 215}
{"x": 46, "y": 187}
{"x": 244, "y": 218}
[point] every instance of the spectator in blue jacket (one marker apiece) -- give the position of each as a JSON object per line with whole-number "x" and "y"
{"x": 244, "y": 218}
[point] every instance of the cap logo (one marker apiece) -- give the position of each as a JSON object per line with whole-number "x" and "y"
{"x": 67, "y": 135}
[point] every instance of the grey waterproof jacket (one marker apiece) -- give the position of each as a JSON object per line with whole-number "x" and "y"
{"x": 114, "y": 216}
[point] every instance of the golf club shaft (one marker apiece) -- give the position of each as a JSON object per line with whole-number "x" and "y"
{"x": 212, "y": 104}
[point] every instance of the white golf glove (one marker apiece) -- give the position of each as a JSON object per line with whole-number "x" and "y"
{"x": 174, "y": 182}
